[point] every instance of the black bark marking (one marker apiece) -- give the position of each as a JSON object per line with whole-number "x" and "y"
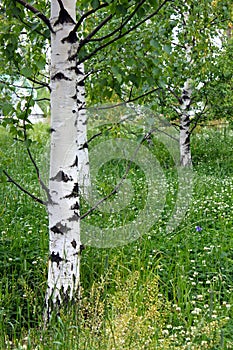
{"x": 61, "y": 176}
{"x": 82, "y": 106}
{"x": 59, "y": 228}
{"x": 81, "y": 82}
{"x": 74, "y": 217}
{"x": 71, "y": 38}
{"x": 76, "y": 69}
{"x": 64, "y": 17}
{"x": 51, "y": 130}
{"x": 74, "y": 192}
{"x": 75, "y": 164}
{"x": 75, "y": 206}
{"x": 55, "y": 258}
{"x": 74, "y": 244}
{"x": 74, "y": 97}
{"x": 85, "y": 145}
{"x": 81, "y": 248}
{"x": 60, "y": 76}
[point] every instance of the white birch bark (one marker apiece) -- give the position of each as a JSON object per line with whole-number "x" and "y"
{"x": 63, "y": 207}
{"x": 83, "y": 156}
{"x": 185, "y": 150}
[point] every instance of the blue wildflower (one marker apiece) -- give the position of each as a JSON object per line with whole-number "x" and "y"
{"x": 198, "y": 228}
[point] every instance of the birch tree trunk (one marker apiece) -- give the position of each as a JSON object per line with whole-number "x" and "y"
{"x": 67, "y": 95}
{"x": 185, "y": 150}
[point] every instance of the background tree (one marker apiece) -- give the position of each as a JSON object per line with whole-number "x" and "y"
{"x": 177, "y": 58}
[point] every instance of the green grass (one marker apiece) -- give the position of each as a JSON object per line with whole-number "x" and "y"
{"x": 163, "y": 291}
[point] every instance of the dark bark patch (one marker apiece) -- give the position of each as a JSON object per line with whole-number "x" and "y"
{"x": 75, "y": 206}
{"x": 74, "y": 278}
{"x": 76, "y": 69}
{"x": 60, "y": 229}
{"x": 51, "y": 130}
{"x": 60, "y": 76}
{"x": 75, "y": 164}
{"x": 85, "y": 145}
{"x": 81, "y": 248}
{"x": 74, "y": 244}
{"x": 81, "y": 82}
{"x": 75, "y": 192}
{"x": 64, "y": 17}
{"x": 71, "y": 38}
{"x": 55, "y": 258}
{"x": 61, "y": 176}
{"x": 74, "y": 217}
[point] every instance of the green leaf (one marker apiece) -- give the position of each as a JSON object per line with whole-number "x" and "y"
{"x": 134, "y": 79}
{"x": 7, "y": 108}
{"x": 26, "y": 71}
{"x": 95, "y": 4}
{"x": 167, "y": 48}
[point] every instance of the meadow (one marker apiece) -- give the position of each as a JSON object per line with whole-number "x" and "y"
{"x": 162, "y": 291}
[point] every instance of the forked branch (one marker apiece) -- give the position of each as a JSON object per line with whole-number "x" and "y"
{"x": 37, "y": 13}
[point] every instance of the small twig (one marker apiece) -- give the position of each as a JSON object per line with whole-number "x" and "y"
{"x": 23, "y": 189}
{"x": 42, "y": 99}
{"x": 43, "y": 186}
{"x": 89, "y": 36}
{"x": 43, "y": 84}
{"x": 88, "y": 13}
{"x": 129, "y": 100}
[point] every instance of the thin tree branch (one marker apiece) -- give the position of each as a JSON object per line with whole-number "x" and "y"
{"x": 122, "y": 24}
{"x": 23, "y": 189}
{"x": 102, "y": 24}
{"x": 37, "y": 13}
{"x": 40, "y": 83}
{"x": 43, "y": 186}
{"x": 121, "y": 35}
{"x": 129, "y": 100}
{"x": 88, "y": 13}
{"x": 42, "y": 99}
